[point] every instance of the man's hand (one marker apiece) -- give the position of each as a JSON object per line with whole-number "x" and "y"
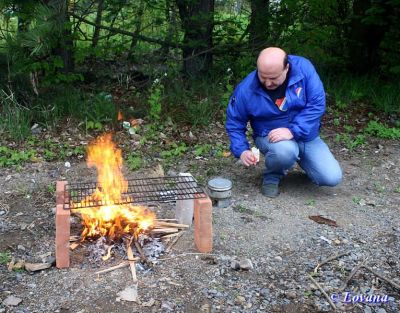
{"x": 248, "y": 158}
{"x": 279, "y": 134}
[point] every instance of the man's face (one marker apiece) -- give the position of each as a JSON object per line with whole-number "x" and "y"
{"x": 272, "y": 78}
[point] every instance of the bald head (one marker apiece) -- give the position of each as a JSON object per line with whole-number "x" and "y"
{"x": 272, "y": 67}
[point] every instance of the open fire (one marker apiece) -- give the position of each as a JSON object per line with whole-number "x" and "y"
{"x": 111, "y": 219}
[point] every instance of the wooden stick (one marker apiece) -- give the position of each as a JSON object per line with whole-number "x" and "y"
{"x": 74, "y": 245}
{"x": 166, "y": 219}
{"x": 174, "y": 225}
{"x": 351, "y": 275}
{"x": 120, "y": 265}
{"x": 173, "y": 242}
{"x": 395, "y": 285}
{"x": 131, "y": 261}
{"x": 139, "y": 248}
{"x": 112, "y": 268}
{"x": 323, "y": 292}
{"x": 330, "y": 259}
{"x": 164, "y": 230}
{"x": 170, "y": 235}
{"x": 74, "y": 238}
{"x": 184, "y": 254}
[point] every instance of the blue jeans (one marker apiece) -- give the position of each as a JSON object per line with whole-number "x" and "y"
{"x": 314, "y": 157}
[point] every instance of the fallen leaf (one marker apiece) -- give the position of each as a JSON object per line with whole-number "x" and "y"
{"x": 226, "y": 154}
{"x": 322, "y": 220}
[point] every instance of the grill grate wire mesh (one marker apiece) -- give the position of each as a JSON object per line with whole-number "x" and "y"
{"x": 144, "y": 190}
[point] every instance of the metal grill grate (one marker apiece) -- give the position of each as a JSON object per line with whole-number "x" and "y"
{"x": 159, "y": 189}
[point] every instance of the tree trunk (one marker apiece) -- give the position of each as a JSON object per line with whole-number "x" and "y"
{"x": 197, "y": 18}
{"x": 66, "y": 42}
{"x": 138, "y": 28}
{"x": 259, "y": 25}
{"x": 171, "y": 19}
{"x": 96, "y": 33}
{"x": 365, "y": 38}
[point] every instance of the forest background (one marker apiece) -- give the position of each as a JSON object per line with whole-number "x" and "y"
{"x": 170, "y": 65}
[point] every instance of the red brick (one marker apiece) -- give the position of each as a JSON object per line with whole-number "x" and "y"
{"x": 62, "y": 227}
{"x": 203, "y": 232}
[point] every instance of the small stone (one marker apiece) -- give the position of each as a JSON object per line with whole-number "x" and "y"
{"x": 264, "y": 292}
{"x": 149, "y": 303}
{"x": 67, "y": 164}
{"x": 21, "y": 247}
{"x": 278, "y": 258}
{"x": 12, "y": 301}
{"x": 235, "y": 265}
{"x": 167, "y": 305}
{"x": 240, "y": 300}
{"x": 291, "y": 295}
{"x": 381, "y": 310}
{"x": 367, "y": 309}
{"x": 246, "y": 264}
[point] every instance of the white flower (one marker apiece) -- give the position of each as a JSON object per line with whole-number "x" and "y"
{"x": 156, "y": 81}
{"x": 229, "y": 70}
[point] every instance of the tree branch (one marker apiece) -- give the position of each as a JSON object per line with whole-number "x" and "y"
{"x": 127, "y": 33}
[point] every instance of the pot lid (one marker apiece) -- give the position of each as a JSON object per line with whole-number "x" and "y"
{"x": 219, "y": 184}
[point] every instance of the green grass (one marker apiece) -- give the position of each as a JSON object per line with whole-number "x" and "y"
{"x": 5, "y": 257}
{"x": 348, "y": 90}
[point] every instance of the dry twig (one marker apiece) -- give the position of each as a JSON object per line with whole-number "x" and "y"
{"x": 323, "y": 292}
{"x": 112, "y": 268}
{"x": 395, "y": 285}
{"x": 351, "y": 275}
{"x": 331, "y": 259}
{"x": 185, "y": 254}
{"x": 173, "y": 242}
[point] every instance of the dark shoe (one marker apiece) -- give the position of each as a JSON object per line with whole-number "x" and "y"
{"x": 270, "y": 190}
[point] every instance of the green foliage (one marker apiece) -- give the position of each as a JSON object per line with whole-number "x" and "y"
{"x": 10, "y": 157}
{"x": 381, "y": 131}
{"x": 14, "y": 118}
{"x": 134, "y": 162}
{"x": 5, "y": 257}
{"x": 349, "y": 90}
{"x": 155, "y": 101}
{"x": 202, "y": 149}
{"x": 350, "y": 141}
{"x": 175, "y": 150}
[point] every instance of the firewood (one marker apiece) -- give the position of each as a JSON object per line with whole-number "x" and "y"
{"x": 164, "y": 230}
{"x": 74, "y": 245}
{"x": 173, "y": 242}
{"x": 169, "y": 236}
{"x": 112, "y": 268}
{"x": 131, "y": 261}
{"x": 174, "y": 225}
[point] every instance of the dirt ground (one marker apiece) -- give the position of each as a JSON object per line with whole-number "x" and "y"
{"x": 277, "y": 236}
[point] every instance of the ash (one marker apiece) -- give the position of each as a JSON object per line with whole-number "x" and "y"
{"x": 98, "y": 250}
{"x": 152, "y": 249}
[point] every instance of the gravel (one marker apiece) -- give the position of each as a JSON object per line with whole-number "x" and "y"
{"x": 264, "y": 248}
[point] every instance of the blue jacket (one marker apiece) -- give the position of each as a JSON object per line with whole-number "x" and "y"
{"x": 300, "y": 111}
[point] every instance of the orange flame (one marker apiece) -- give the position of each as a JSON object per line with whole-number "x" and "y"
{"x": 111, "y": 219}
